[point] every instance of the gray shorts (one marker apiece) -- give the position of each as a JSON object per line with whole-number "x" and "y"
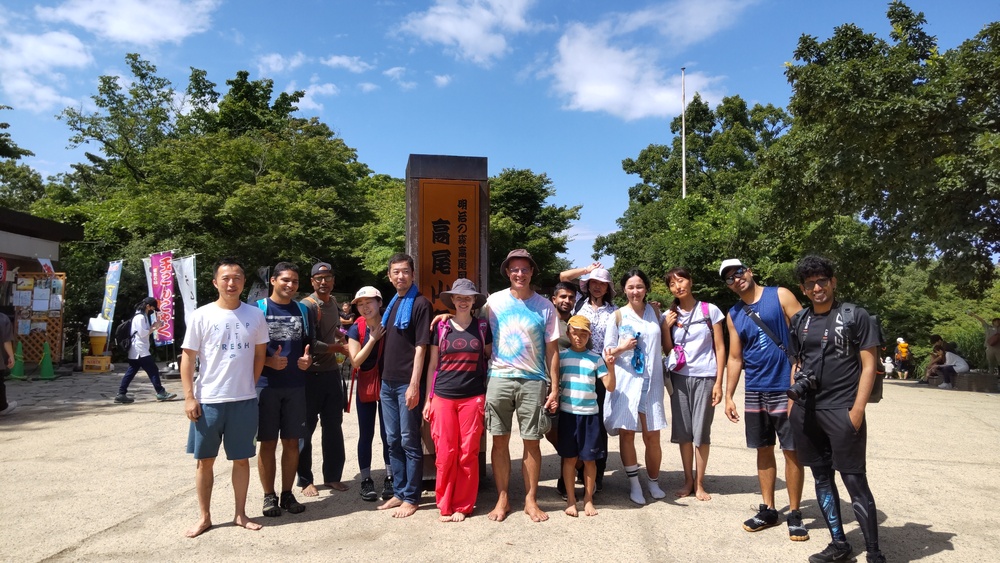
{"x": 691, "y": 409}
{"x": 526, "y": 397}
{"x": 282, "y": 413}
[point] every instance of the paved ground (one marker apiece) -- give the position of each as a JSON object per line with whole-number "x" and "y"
{"x": 85, "y": 479}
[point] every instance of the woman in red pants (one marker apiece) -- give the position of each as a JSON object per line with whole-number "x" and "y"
{"x": 456, "y": 399}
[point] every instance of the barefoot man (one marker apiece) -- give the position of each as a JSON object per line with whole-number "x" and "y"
{"x": 407, "y": 322}
{"x": 524, "y": 378}
{"x": 230, "y": 338}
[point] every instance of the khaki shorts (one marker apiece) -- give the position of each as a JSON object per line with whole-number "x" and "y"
{"x": 505, "y": 396}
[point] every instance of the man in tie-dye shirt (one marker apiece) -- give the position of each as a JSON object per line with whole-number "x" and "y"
{"x": 524, "y": 377}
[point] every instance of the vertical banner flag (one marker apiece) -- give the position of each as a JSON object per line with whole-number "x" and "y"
{"x": 146, "y": 267}
{"x": 111, "y": 290}
{"x": 184, "y": 271}
{"x": 163, "y": 291}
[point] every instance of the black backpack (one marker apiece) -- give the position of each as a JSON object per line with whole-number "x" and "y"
{"x": 122, "y": 338}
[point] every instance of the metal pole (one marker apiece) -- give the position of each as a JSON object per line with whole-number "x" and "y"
{"x": 684, "y": 168}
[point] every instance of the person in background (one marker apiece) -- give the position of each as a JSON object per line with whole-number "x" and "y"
{"x": 904, "y": 358}
{"x": 139, "y": 354}
{"x": 6, "y": 362}
{"x": 991, "y": 341}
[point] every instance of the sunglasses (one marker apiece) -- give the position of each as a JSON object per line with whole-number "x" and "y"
{"x": 821, "y": 282}
{"x": 731, "y": 279}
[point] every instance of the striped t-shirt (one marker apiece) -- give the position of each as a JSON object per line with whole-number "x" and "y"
{"x": 578, "y": 373}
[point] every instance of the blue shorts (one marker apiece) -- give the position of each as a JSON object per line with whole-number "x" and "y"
{"x": 580, "y": 436}
{"x": 282, "y": 413}
{"x": 233, "y": 424}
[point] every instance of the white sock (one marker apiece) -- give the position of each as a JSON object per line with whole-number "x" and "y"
{"x": 654, "y": 489}
{"x": 635, "y": 493}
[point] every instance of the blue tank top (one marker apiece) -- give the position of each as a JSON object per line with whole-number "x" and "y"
{"x": 767, "y": 367}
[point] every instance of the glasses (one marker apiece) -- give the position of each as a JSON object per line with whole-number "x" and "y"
{"x": 519, "y": 271}
{"x": 638, "y": 357}
{"x": 321, "y": 279}
{"x": 730, "y": 280}
{"x": 821, "y": 282}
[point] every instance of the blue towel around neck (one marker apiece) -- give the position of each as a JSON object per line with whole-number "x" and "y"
{"x": 405, "y": 309}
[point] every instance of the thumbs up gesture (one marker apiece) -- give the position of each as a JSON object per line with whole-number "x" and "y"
{"x": 277, "y": 361}
{"x": 306, "y": 360}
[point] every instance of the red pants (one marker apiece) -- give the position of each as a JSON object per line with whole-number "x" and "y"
{"x": 456, "y": 427}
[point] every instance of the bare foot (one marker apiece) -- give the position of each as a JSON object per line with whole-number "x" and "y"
{"x": 391, "y": 503}
{"x": 310, "y": 491}
{"x": 337, "y": 486}
{"x": 686, "y": 489}
{"x": 458, "y": 517}
{"x": 403, "y": 510}
{"x": 444, "y": 518}
{"x": 571, "y": 510}
{"x": 499, "y": 512}
{"x": 203, "y": 525}
{"x": 702, "y": 494}
{"x": 536, "y": 514}
{"x": 244, "y": 522}
{"x": 589, "y": 509}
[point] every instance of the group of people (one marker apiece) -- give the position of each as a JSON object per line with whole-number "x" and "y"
{"x": 573, "y": 369}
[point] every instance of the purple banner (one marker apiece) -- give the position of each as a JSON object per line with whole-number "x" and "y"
{"x": 161, "y": 266}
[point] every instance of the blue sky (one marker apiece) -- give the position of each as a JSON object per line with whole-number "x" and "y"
{"x": 568, "y": 87}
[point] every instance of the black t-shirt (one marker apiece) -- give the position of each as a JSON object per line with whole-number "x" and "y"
{"x": 841, "y": 359}
{"x": 400, "y": 345}
{"x": 461, "y": 372}
{"x": 286, "y": 329}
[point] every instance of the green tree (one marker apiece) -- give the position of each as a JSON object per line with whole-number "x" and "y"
{"x": 903, "y": 136}
{"x": 20, "y": 186}
{"x": 521, "y": 218}
{"x": 383, "y": 232}
{"x": 9, "y": 149}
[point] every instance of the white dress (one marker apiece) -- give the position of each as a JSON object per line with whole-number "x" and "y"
{"x": 621, "y": 406}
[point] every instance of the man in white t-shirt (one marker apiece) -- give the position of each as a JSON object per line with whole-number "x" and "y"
{"x": 139, "y": 354}
{"x": 229, "y": 338}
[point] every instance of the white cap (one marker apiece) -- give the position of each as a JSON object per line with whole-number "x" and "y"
{"x": 900, "y": 340}
{"x": 729, "y": 263}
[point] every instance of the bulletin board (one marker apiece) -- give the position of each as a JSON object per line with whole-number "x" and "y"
{"x": 39, "y": 300}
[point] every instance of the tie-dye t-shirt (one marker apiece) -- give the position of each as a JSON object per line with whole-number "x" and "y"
{"x": 520, "y": 330}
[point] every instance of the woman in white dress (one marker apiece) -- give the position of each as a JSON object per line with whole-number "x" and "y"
{"x": 636, "y": 404}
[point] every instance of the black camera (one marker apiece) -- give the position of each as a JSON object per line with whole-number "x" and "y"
{"x": 805, "y": 382}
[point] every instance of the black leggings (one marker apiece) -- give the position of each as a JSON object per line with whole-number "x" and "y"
{"x": 861, "y": 499}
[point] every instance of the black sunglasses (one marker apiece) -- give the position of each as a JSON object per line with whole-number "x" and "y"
{"x": 731, "y": 279}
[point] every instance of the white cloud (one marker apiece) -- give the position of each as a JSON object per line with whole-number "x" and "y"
{"x": 474, "y": 30}
{"x": 274, "y": 63}
{"x": 442, "y": 80}
{"x": 351, "y": 64}
{"x": 30, "y": 64}
{"x": 606, "y": 67}
{"x": 312, "y": 92}
{"x": 143, "y": 22}
{"x": 396, "y": 74}
{"x": 367, "y": 87}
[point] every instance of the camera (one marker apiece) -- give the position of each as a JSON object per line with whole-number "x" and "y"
{"x": 805, "y": 382}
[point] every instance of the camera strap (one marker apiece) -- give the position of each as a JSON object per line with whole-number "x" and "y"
{"x": 770, "y": 334}
{"x": 826, "y": 338}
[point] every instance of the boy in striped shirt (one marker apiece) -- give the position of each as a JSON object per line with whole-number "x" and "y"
{"x": 579, "y": 421}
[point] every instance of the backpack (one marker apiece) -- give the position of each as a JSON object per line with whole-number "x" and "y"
{"x": 847, "y": 311}
{"x": 121, "y": 339}
{"x": 904, "y": 351}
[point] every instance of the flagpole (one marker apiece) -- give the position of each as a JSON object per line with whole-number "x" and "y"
{"x": 684, "y": 168}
